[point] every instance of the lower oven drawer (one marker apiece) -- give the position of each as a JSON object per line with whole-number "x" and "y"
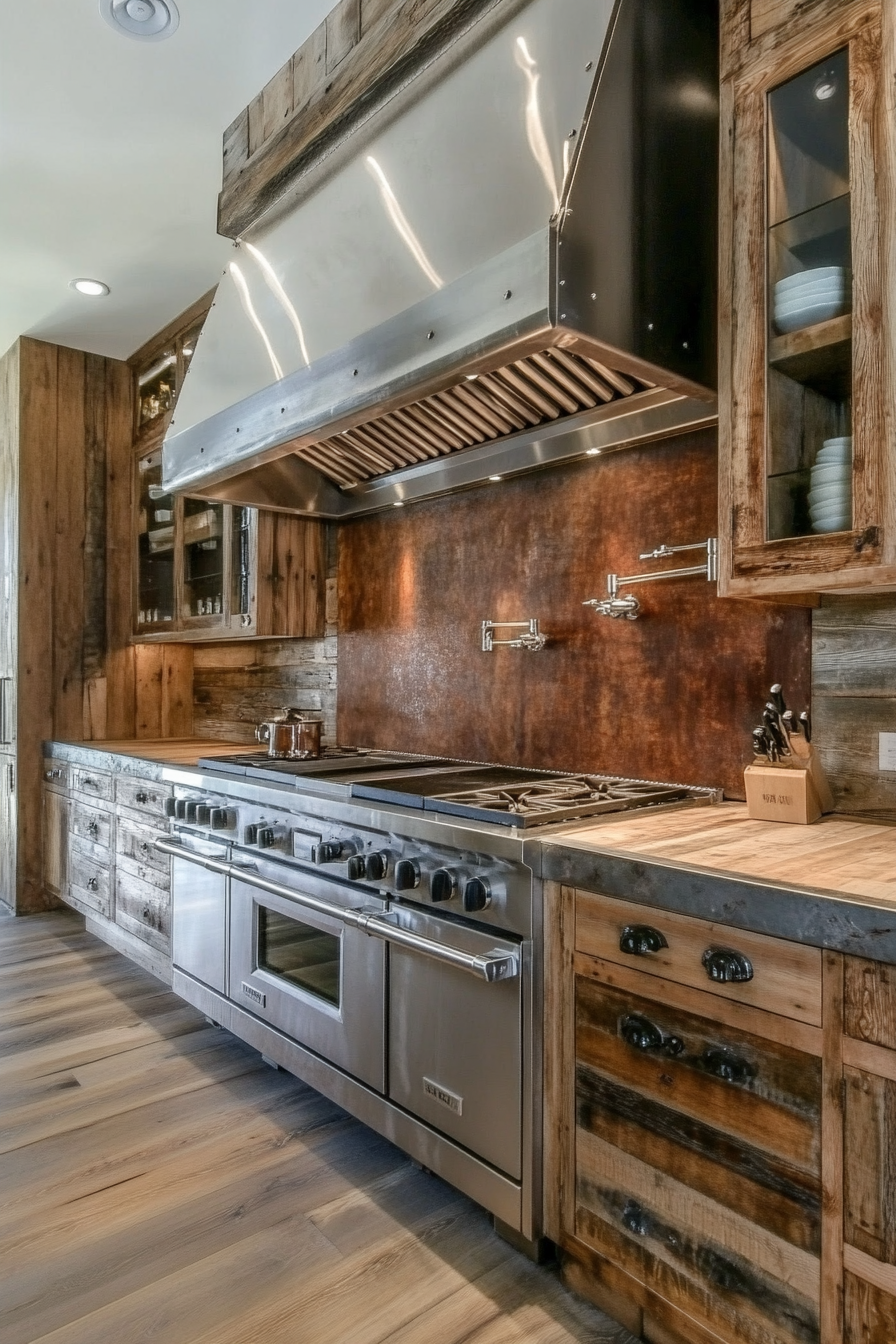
{"x": 455, "y": 1042}
{"x": 309, "y": 975}
{"x": 199, "y": 917}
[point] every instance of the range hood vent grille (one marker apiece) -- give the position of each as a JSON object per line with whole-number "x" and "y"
{"x": 543, "y": 387}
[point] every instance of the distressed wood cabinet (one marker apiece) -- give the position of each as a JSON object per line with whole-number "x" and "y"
{"x": 693, "y": 1137}
{"x": 205, "y": 570}
{"x": 807, "y": 291}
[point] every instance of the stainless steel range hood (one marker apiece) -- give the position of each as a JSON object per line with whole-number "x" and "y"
{"x": 519, "y": 268}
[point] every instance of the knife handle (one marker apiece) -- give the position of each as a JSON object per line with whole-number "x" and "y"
{"x": 806, "y": 725}
{"x": 776, "y": 695}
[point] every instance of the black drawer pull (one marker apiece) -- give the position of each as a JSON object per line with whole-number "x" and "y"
{"x": 147, "y": 913}
{"x": 728, "y": 1066}
{"x": 93, "y": 829}
{"x": 639, "y": 939}
{"x": 89, "y": 783}
{"x": 141, "y": 797}
{"x": 92, "y": 884}
{"x": 635, "y": 1219}
{"x": 726, "y": 966}
{"x": 643, "y": 1034}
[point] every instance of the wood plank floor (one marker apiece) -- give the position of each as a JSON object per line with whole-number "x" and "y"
{"x": 159, "y": 1183}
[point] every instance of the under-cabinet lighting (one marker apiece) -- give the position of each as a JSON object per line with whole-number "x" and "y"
{"x": 95, "y": 288}
{"x": 398, "y": 504}
{"x": 496, "y": 478}
{"x": 592, "y": 452}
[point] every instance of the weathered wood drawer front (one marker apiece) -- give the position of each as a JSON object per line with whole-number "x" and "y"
{"x": 710, "y": 1262}
{"x": 142, "y": 909}
{"x": 89, "y": 823}
{"x": 91, "y": 783}
{"x": 786, "y": 977}
{"x": 136, "y": 843}
{"x": 764, "y": 1097}
{"x": 90, "y": 882}
{"x": 869, "y": 1008}
{"x": 144, "y": 873}
{"x": 141, "y": 795}
{"x": 56, "y": 773}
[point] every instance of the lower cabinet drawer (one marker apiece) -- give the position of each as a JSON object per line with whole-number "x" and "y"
{"x": 143, "y": 909}
{"x": 142, "y": 795}
{"x": 91, "y": 824}
{"x": 135, "y": 843}
{"x": 751, "y": 968}
{"x": 91, "y": 783}
{"x": 698, "y": 1164}
{"x": 89, "y": 882}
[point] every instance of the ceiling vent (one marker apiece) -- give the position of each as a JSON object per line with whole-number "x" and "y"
{"x": 148, "y": 20}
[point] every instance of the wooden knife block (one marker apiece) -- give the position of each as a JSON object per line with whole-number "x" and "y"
{"x": 795, "y": 791}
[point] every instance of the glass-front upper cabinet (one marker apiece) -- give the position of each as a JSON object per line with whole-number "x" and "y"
{"x": 807, "y": 466}
{"x": 155, "y": 547}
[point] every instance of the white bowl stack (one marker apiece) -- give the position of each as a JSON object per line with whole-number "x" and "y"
{"x": 830, "y": 486}
{"x": 812, "y": 296}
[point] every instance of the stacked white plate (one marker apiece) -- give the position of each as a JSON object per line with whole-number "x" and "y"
{"x": 830, "y": 486}
{"x": 813, "y": 296}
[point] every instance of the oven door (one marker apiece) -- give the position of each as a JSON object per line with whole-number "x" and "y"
{"x": 455, "y": 1038}
{"x": 307, "y": 973}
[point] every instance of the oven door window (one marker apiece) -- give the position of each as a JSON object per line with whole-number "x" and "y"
{"x": 301, "y": 955}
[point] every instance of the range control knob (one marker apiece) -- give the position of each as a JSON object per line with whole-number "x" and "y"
{"x": 328, "y": 851}
{"x": 377, "y": 866}
{"x": 170, "y": 807}
{"x": 477, "y": 895}
{"x": 443, "y": 885}
{"x": 357, "y": 868}
{"x": 407, "y": 875}
{"x": 203, "y": 814}
{"x": 265, "y": 837}
{"x": 190, "y": 811}
{"x": 180, "y": 808}
{"x": 220, "y": 819}
{"x": 250, "y": 835}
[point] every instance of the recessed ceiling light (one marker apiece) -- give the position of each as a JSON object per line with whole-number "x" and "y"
{"x": 147, "y": 20}
{"x": 95, "y": 288}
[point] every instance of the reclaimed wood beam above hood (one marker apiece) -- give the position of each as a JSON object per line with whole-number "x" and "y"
{"x": 347, "y": 72}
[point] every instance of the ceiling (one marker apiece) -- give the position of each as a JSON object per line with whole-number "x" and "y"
{"x": 110, "y": 159}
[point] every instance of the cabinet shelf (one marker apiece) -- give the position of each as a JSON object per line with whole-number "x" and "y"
{"x": 819, "y": 356}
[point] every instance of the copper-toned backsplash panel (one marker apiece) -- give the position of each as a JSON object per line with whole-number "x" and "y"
{"x": 670, "y": 696}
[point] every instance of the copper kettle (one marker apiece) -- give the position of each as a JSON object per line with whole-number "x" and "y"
{"x": 295, "y": 737}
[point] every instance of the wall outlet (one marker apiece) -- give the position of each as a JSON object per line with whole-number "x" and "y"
{"x": 887, "y": 751}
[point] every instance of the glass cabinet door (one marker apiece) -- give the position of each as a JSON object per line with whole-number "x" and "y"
{"x": 155, "y": 547}
{"x": 241, "y": 550}
{"x": 203, "y": 560}
{"x": 809, "y": 447}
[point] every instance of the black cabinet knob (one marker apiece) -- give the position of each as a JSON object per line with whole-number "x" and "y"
{"x": 170, "y": 807}
{"x": 141, "y": 797}
{"x": 477, "y": 895}
{"x": 250, "y": 835}
{"x": 407, "y": 875}
{"x": 93, "y": 829}
{"x": 328, "y": 851}
{"x": 639, "y": 1032}
{"x": 377, "y": 866}
{"x": 640, "y": 939}
{"x": 443, "y": 885}
{"x": 147, "y": 914}
{"x": 92, "y": 884}
{"x": 725, "y": 1064}
{"x": 219, "y": 819}
{"x": 726, "y": 966}
{"x": 357, "y": 868}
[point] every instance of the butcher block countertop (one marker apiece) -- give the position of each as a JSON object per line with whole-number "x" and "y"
{"x": 832, "y": 884}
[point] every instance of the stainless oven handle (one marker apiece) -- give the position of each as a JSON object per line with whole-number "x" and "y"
{"x": 490, "y": 966}
{"x": 494, "y": 965}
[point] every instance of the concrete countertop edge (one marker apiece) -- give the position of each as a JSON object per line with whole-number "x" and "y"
{"x": 839, "y": 921}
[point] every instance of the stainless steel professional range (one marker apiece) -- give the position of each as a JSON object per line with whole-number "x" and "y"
{"x": 372, "y": 922}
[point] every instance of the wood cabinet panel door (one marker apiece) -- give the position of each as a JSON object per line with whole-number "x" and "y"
{"x": 807, "y": 461}
{"x": 698, "y": 1163}
{"x": 55, "y": 838}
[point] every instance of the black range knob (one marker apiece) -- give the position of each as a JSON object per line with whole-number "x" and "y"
{"x": 170, "y": 807}
{"x": 265, "y": 837}
{"x": 180, "y": 808}
{"x": 377, "y": 866}
{"x": 328, "y": 851}
{"x": 443, "y": 885}
{"x": 357, "y": 868}
{"x": 407, "y": 875}
{"x": 203, "y": 814}
{"x": 220, "y": 819}
{"x": 190, "y": 811}
{"x": 250, "y": 835}
{"x": 477, "y": 895}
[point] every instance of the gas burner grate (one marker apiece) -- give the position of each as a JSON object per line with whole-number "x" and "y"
{"x": 536, "y": 802}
